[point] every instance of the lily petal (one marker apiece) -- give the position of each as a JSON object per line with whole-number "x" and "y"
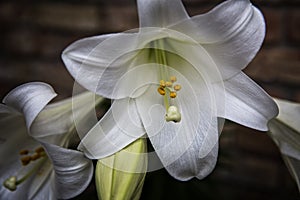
{"x": 97, "y": 66}
{"x": 30, "y": 99}
{"x": 286, "y": 138}
{"x": 46, "y": 192}
{"x": 248, "y": 104}
{"x": 284, "y": 130}
{"x": 119, "y": 127}
{"x": 190, "y": 165}
{"x": 189, "y": 140}
{"x": 289, "y": 111}
{"x": 58, "y": 118}
{"x": 232, "y": 33}
{"x": 73, "y": 171}
{"x": 40, "y": 186}
{"x": 160, "y": 13}
{"x": 294, "y": 167}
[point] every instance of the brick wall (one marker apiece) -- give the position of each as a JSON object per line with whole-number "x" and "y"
{"x": 34, "y": 33}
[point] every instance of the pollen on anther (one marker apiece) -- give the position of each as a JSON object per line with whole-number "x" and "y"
{"x": 24, "y": 152}
{"x": 161, "y": 90}
{"x": 39, "y": 150}
{"x": 162, "y": 83}
{"x": 177, "y": 87}
{"x": 169, "y": 84}
{"x": 25, "y": 160}
{"x": 173, "y": 79}
{"x": 173, "y": 94}
{"x": 35, "y": 156}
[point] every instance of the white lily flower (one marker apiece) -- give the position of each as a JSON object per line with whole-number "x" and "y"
{"x": 39, "y": 166}
{"x": 285, "y": 132}
{"x": 172, "y": 79}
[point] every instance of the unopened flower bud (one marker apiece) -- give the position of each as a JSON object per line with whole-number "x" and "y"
{"x": 121, "y": 176}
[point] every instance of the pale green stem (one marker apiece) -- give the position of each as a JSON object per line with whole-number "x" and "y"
{"x": 161, "y": 58}
{"x": 34, "y": 169}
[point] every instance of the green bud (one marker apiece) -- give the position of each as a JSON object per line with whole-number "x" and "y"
{"x": 121, "y": 176}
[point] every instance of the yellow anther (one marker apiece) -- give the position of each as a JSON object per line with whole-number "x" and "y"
{"x": 173, "y": 94}
{"x": 161, "y": 90}
{"x": 39, "y": 150}
{"x": 11, "y": 183}
{"x": 25, "y": 160}
{"x": 162, "y": 83}
{"x": 173, "y": 79}
{"x": 169, "y": 84}
{"x": 35, "y": 156}
{"x": 24, "y": 152}
{"x": 177, "y": 87}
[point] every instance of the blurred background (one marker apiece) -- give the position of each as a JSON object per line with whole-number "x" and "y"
{"x": 34, "y": 33}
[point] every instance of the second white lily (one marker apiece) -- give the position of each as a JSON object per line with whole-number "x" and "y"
{"x": 36, "y": 163}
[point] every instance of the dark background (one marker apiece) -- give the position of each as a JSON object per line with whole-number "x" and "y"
{"x": 34, "y": 33}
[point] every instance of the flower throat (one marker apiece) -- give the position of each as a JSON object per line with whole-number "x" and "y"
{"x": 167, "y": 87}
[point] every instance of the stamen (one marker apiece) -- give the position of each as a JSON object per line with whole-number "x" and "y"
{"x": 35, "y": 156}
{"x": 173, "y": 94}
{"x": 173, "y": 114}
{"x": 162, "y": 83}
{"x": 39, "y": 150}
{"x": 161, "y": 90}
{"x": 173, "y": 79}
{"x": 24, "y": 152}
{"x": 25, "y": 160}
{"x": 165, "y": 87}
{"x": 169, "y": 84}
{"x": 177, "y": 87}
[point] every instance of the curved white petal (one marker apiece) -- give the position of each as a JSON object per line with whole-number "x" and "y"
{"x": 58, "y": 118}
{"x": 247, "y": 104}
{"x": 190, "y": 165}
{"x": 286, "y": 138}
{"x": 294, "y": 168}
{"x": 73, "y": 171}
{"x": 231, "y": 33}
{"x": 29, "y": 99}
{"x": 160, "y": 13}
{"x": 98, "y": 66}
{"x": 46, "y": 191}
{"x": 119, "y": 127}
{"x": 285, "y": 132}
{"x": 193, "y": 137}
{"x": 74, "y": 55}
{"x": 40, "y": 186}
{"x": 289, "y": 112}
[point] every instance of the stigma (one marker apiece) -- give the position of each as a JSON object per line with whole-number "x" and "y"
{"x": 173, "y": 114}
{"x": 169, "y": 89}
